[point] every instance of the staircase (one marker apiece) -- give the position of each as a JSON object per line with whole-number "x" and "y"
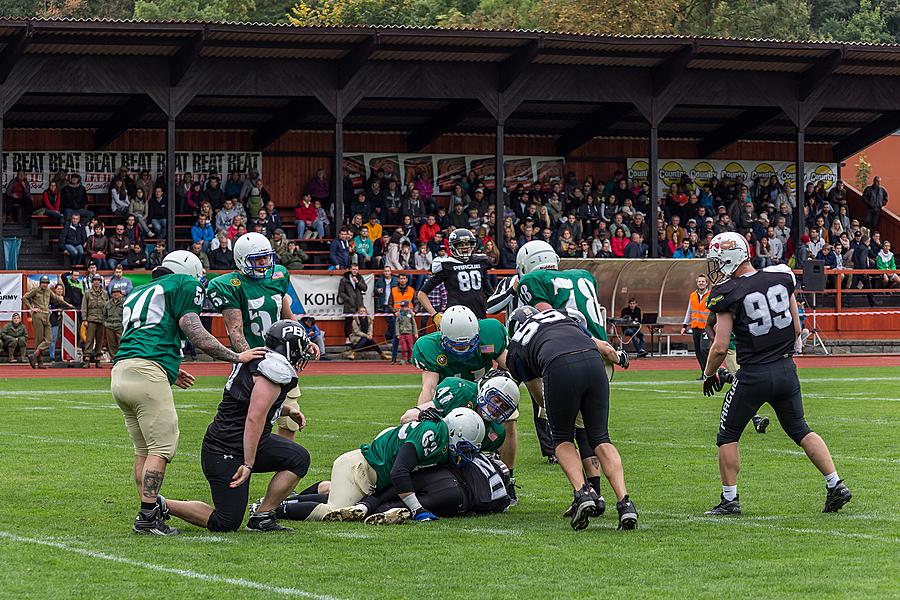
{"x": 33, "y": 255}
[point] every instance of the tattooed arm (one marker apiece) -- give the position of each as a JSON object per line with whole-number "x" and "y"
{"x": 234, "y": 325}
{"x": 192, "y": 327}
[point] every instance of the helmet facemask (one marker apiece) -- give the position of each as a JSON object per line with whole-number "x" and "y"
{"x": 260, "y": 265}
{"x": 463, "y": 452}
{"x": 460, "y": 348}
{"x": 494, "y": 405}
{"x": 463, "y": 249}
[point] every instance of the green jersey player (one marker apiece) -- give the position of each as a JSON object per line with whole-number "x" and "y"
{"x": 250, "y": 299}
{"x": 495, "y": 400}
{"x": 158, "y": 317}
{"x": 571, "y": 291}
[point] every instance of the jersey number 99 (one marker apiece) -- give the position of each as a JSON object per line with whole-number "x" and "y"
{"x": 765, "y": 310}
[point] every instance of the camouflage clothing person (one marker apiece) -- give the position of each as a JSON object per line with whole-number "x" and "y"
{"x": 15, "y": 338}
{"x": 38, "y": 301}
{"x": 112, "y": 321}
{"x": 95, "y": 298}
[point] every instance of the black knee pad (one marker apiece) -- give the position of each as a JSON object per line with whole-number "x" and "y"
{"x": 299, "y": 464}
{"x": 798, "y": 430}
{"x": 596, "y": 440}
{"x": 559, "y": 437}
{"x": 727, "y": 437}
{"x": 585, "y": 449}
{"x": 219, "y": 522}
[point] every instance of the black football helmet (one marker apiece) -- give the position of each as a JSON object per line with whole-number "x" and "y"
{"x": 518, "y": 317}
{"x": 462, "y": 244}
{"x": 288, "y": 338}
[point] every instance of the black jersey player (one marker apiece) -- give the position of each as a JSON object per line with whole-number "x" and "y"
{"x": 761, "y": 310}
{"x": 464, "y": 274}
{"x": 564, "y": 368}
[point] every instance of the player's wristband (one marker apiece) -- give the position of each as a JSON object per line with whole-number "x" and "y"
{"x": 412, "y": 503}
{"x": 248, "y": 466}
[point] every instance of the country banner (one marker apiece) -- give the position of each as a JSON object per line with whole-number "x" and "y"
{"x": 97, "y": 169}
{"x": 702, "y": 171}
{"x": 10, "y": 295}
{"x": 318, "y": 295}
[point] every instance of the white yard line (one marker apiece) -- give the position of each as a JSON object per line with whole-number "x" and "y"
{"x": 235, "y": 581}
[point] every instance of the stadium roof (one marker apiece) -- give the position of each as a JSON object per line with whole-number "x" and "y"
{"x": 428, "y": 81}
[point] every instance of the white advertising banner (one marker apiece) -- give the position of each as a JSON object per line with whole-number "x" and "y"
{"x": 317, "y": 295}
{"x": 702, "y": 170}
{"x": 97, "y": 169}
{"x": 10, "y": 295}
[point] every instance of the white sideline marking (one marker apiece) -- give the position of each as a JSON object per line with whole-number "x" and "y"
{"x": 244, "y": 583}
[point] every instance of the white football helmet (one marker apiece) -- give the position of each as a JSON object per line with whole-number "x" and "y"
{"x": 727, "y": 252}
{"x": 254, "y": 256}
{"x": 535, "y": 255}
{"x": 498, "y": 399}
{"x": 459, "y": 331}
{"x": 465, "y": 432}
{"x": 183, "y": 262}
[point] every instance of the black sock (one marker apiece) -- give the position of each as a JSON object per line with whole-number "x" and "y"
{"x": 595, "y": 483}
{"x": 148, "y": 506}
{"x": 511, "y": 474}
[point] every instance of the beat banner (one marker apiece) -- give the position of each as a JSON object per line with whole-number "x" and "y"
{"x": 317, "y": 295}
{"x": 97, "y": 169}
{"x": 10, "y": 295}
{"x": 442, "y": 171}
{"x": 702, "y": 171}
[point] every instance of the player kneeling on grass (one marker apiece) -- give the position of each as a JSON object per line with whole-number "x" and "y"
{"x": 390, "y": 460}
{"x": 564, "y": 369}
{"x": 761, "y": 309}
{"x": 239, "y": 441}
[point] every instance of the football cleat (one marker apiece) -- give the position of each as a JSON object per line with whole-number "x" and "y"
{"x": 725, "y": 375}
{"x": 628, "y": 514}
{"x": 350, "y": 513}
{"x": 601, "y": 508}
{"x": 760, "y": 423}
{"x": 584, "y": 506}
{"x": 152, "y": 523}
{"x": 725, "y": 508}
{"x": 511, "y": 491}
{"x": 265, "y": 522}
{"x": 393, "y": 516}
{"x": 551, "y": 460}
{"x": 423, "y": 516}
{"x": 837, "y": 497}
{"x": 163, "y": 507}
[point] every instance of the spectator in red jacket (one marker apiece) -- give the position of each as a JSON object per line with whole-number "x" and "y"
{"x": 307, "y": 218}
{"x": 619, "y": 242}
{"x": 52, "y": 202}
{"x": 428, "y": 229}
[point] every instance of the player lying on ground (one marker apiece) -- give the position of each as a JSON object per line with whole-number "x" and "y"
{"x": 479, "y": 486}
{"x": 564, "y": 369}
{"x": 158, "y": 317}
{"x": 467, "y": 348}
{"x": 239, "y": 442}
{"x": 761, "y": 309}
{"x": 390, "y": 460}
{"x": 250, "y": 299}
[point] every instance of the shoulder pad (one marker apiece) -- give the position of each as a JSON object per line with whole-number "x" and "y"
{"x": 478, "y": 258}
{"x": 276, "y": 368}
{"x": 438, "y": 264}
{"x": 783, "y": 269}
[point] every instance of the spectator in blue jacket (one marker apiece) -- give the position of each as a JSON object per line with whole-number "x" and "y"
{"x": 202, "y": 232}
{"x": 72, "y": 239}
{"x": 315, "y": 335}
{"x": 339, "y": 255}
{"x": 684, "y": 251}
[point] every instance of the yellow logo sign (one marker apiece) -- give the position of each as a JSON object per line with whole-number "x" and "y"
{"x": 639, "y": 171}
{"x": 671, "y": 172}
{"x": 702, "y": 172}
{"x": 734, "y": 169}
{"x": 764, "y": 170}
{"x": 235, "y": 282}
{"x": 824, "y": 174}
{"x": 789, "y": 175}
{"x": 442, "y": 360}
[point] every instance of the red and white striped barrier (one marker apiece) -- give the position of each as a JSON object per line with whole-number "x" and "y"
{"x": 70, "y": 335}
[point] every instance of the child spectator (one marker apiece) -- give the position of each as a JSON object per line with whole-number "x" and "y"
{"x": 315, "y": 335}
{"x": 406, "y": 330}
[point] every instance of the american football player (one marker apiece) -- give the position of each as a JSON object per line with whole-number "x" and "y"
{"x": 464, "y": 274}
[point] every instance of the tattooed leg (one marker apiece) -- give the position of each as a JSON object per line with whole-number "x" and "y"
{"x": 152, "y": 480}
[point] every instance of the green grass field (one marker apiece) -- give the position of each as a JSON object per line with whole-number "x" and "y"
{"x": 67, "y": 501}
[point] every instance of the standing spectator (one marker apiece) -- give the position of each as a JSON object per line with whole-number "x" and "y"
{"x": 251, "y": 187}
{"x": 97, "y": 246}
{"x": 194, "y": 198}
{"x": 414, "y": 207}
{"x": 631, "y": 314}
{"x": 72, "y": 239}
{"x": 393, "y": 203}
{"x": 885, "y": 261}
{"x": 837, "y": 197}
{"x": 18, "y": 192}
{"x": 74, "y": 285}
{"x": 55, "y": 319}
{"x": 52, "y": 203}
{"x": 95, "y": 298}
{"x": 875, "y": 198}
{"x": 138, "y": 207}
{"x": 363, "y": 247}
{"x": 15, "y": 338}
{"x": 136, "y": 257}
{"x": 159, "y": 212}
{"x": 112, "y": 321}
{"x": 234, "y": 185}
{"x": 202, "y": 232}
{"x": 183, "y": 186}
{"x": 118, "y": 280}
{"x": 74, "y": 198}
{"x": 118, "y": 198}
{"x": 307, "y": 219}
{"x": 319, "y": 188}
{"x": 402, "y": 292}
{"x": 144, "y": 183}
{"x": 695, "y": 321}
{"x": 350, "y": 293}
{"x": 339, "y": 254}
{"x": 158, "y": 254}
{"x": 423, "y": 261}
{"x": 214, "y": 194}
{"x": 407, "y": 331}
{"x": 38, "y": 301}
{"x": 385, "y": 283}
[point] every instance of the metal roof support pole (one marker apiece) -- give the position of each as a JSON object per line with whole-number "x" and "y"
{"x": 800, "y": 212}
{"x": 170, "y": 183}
{"x": 2, "y": 204}
{"x": 338, "y": 174}
{"x": 499, "y": 178}
{"x": 653, "y": 176}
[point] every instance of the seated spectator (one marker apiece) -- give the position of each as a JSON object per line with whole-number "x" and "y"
{"x": 666, "y": 246}
{"x": 194, "y": 197}
{"x": 684, "y": 250}
{"x": 52, "y": 203}
{"x": 119, "y": 281}
{"x": 159, "y": 253}
{"x": 379, "y": 250}
{"x": 573, "y": 225}
{"x": 118, "y": 247}
{"x": 202, "y": 232}
{"x": 139, "y": 209}
{"x": 268, "y": 223}
{"x": 118, "y": 198}
{"x": 132, "y": 231}
{"x": 458, "y": 218}
{"x": 565, "y": 239}
{"x": 221, "y": 257}
{"x": 631, "y": 314}
{"x": 136, "y": 258}
{"x": 97, "y": 246}
{"x": 225, "y": 216}
{"x": 306, "y": 219}
{"x": 236, "y": 223}
{"x": 197, "y": 250}
{"x": 293, "y": 257}
{"x": 364, "y": 247}
{"x": 815, "y": 243}
{"x": 618, "y": 222}
{"x": 605, "y": 250}
{"x": 765, "y": 256}
{"x": 339, "y": 253}
{"x": 361, "y": 335}
{"x": 584, "y": 250}
{"x": 214, "y": 193}
{"x": 159, "y": 212}
{"x": 885, "y": 261}
{"x": 72, "y": 238}
{"x": 315, "y": 335}
{"x": 636, "y": 248}
{"x": 14, "y": 337}
{"x": 428, "y": 230}
{"x": 373, "y": 227}
{"x": 234, "y": 185}
{"x": 619, "y": 242}
{"x": 74, "y": 198}
{"x": 442, "y": 218}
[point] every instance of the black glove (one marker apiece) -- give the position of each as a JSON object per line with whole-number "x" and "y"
{"x": 623, "y": 361}
{"x": 712, "y": 384}
{"x": 430, "y": 414}
{"x": 494, "y": 373}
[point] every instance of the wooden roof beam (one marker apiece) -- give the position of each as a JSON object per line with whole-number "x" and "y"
{"x": 741, "y": 125}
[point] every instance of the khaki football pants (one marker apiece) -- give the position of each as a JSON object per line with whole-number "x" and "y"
{"x": 141, "y": 389}
{"x": 731, "y": 361}
{"x": 290, "y": 401}
{"x": 352, "y": 479}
